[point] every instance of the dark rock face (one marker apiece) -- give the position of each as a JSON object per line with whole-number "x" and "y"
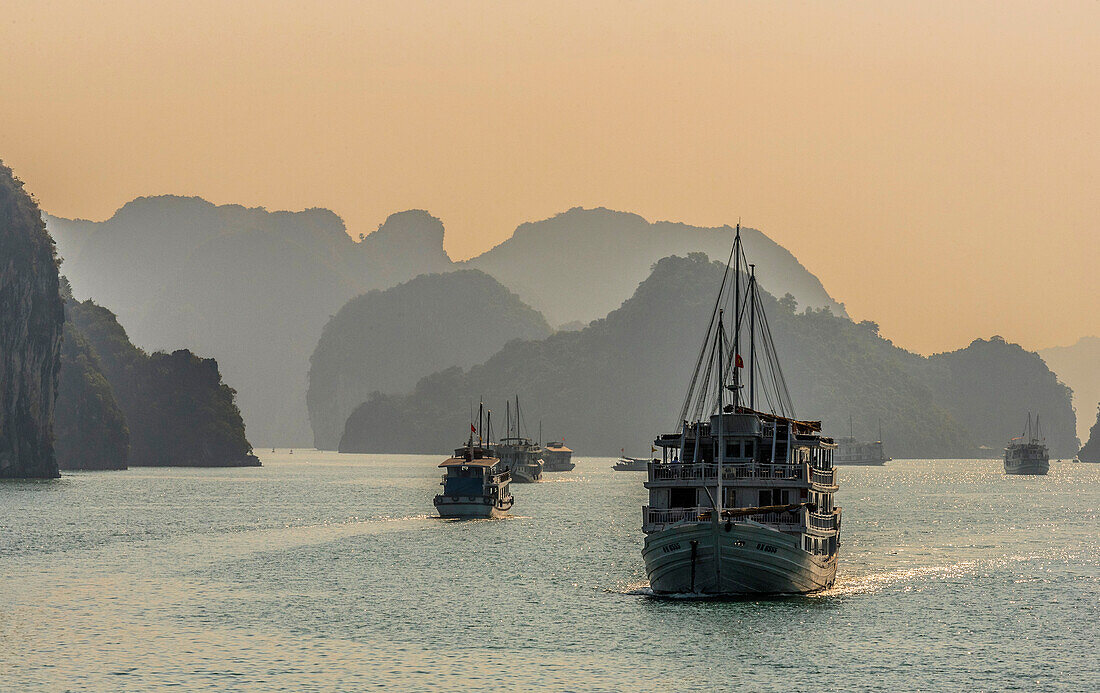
{"x": 176, "y": 407}
{"x": 1091, "y": 451}
{"x": 386, "y": 341}
{"x": 31, "y": 317}
{"x": 89, "y": 427}
{"x": 991, "y": 385}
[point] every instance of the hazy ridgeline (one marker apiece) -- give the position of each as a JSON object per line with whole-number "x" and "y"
{"x": 385, "y": 341}
{"x": 249, "y": 287}
{"x": 31, "y": 317}
{"x": 254, "y": 288}
{"x": 621, "y": 380}
{"x": 582, "y": 264}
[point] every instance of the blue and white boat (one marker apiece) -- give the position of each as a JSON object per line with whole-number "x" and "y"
{"x": 475, "y": 483}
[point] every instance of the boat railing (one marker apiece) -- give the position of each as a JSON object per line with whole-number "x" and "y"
{"x": 790, "y": 472}
{"x": 819, "y": 521}
{"x": 709, "y": 472}
{"x": 669, "y": 516}
{"x": 825, "y": 477}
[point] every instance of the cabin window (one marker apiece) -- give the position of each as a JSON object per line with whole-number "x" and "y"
{"x": 750, "y": 448}
{"x": 766, "y": 497}
{"x": 681, "y": 498}
{"x": 733, "y": 448}
{"x": 809, "y": 545}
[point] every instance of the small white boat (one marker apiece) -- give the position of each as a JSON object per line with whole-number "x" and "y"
{"x": 1028, "y": 454}
{"x": 632, "y": 464}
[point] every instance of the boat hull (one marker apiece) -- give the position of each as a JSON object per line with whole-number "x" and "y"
{"x": 557, "y": 464}
{"x": 468, "y": 508}
{"x": 1027, "y": 467}
{"x": 526, "y": 474}
{"x": 748, "y": 559}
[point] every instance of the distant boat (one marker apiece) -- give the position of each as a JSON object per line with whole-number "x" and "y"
{"x": 633, "y": 464}
{"x": 1028, "y": 454}
{"x": 518, "y": 453}
{"x": 475, "y": 484}
{"x": 851, "y": 451}
{"x": 557, "y": 458}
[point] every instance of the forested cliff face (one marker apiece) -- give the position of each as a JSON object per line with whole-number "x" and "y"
{"x": 89, "y": 427}
{"x": 1091, "y": 450}
{"x": 621, "y": 380}
{"x": 176, "y": 408}
{"x": 31, "y": 317}
{"x": 992, "y": 385}
{"x": 386, "y": 341}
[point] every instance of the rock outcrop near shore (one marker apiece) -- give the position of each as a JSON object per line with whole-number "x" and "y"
{"x": 31, "y": 316}
{"x": 1091, "y": 450}
{"x": 177, "y": 410}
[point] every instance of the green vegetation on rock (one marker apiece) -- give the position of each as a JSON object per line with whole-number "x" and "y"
{"x": 385, "y": 341}
{"x": 621, "y": 380}
{"x": 177, "y": 410}
{"x": 89, "y": 427}
{"x": 1091, "y": 450}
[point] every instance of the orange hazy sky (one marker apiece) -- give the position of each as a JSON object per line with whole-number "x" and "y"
{"x": 936, "y": 164}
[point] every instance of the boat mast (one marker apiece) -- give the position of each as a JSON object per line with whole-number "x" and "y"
{"x": 480, "y": 430}
{"x": 752, "y": 339}
{"x": 721, "y": 415}
{"x": 507, "y": 418}
{"x": 736, "y": 316}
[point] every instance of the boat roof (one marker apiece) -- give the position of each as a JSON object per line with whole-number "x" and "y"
{"x": 799, "y": 426}
{"x": 463, "y": 462}
{"x": 557, "y": 446}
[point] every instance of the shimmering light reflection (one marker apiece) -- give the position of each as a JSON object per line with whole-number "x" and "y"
{"x": 326, "y": 571}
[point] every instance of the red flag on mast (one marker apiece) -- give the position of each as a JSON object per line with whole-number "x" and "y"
{"x": 739, "y": 362}
{"x": 473, "y": 429}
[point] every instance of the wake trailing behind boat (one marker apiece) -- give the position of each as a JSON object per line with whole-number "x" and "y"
{"x": 1028, "y": 454}
{"x": 475, "y": 484}
{"x": 741, "y": 502}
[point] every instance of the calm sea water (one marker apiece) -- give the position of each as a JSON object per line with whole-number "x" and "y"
{"x": 326, "y": 571}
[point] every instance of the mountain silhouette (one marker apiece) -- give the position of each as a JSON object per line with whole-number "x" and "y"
{"x": 386, "y": 341}
{"x": 583, "y": 263}
{"x": 620, "y": 381}
{"x": 250, "y": 287}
